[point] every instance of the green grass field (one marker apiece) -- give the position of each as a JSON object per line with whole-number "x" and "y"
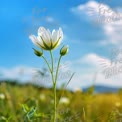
{"x": 79, "y": 107}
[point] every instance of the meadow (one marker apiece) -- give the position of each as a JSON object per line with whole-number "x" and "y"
{"x": 28, "y": 103}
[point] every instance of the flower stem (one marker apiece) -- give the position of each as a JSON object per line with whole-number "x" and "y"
{"x": 54, "y": 80}
{"x": 55, "y": 108}
{"x": 54, "y": 86}
{"x": 58, "y": 68}
{"x": 47, "y": 63}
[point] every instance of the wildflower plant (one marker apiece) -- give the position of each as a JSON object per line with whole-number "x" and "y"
{"x": 48, "y": 41}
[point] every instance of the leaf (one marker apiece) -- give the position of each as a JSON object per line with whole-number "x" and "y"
{"x": 25, "y": 108}
{"x": 31, "y": 112}
{"x": 40, "y": 115}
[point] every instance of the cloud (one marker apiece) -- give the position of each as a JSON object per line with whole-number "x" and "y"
{"x": 108, "y": 19}
{"x": 20, "y": 73}
{"x": 93, "y": 8}
{"x": 95, "y": 61}
{"x": 89, "y": 70}
{"x": 49, "y": 19}
{"x": 88, "y": 8}
{"x": 92, "y": 59}
{"x": 82, "y": 77}
{"x": 113, "y": 33}
{"x": 24, "y": 74}
{"x": 93, "y": 78}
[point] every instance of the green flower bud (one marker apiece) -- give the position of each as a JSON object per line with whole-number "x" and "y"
{"x": 64, "y": 50}
{"x": 38, "y": 53}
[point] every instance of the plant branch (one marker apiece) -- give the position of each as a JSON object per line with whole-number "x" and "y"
{"x": 47, "y": 63}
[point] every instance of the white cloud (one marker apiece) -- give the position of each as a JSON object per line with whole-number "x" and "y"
{"x": 110, "y": 20}
{"x": 49, "y": 19}
{"x": 87, "y": 8}
{"x": 20, "y": 73}
{"x": 91, "y": 59}
{"x": 24, "y": 74}
{"x": 78, "y": 81}
{"x": 113, "y": 32}
{"x": 93, "y": 8}
{"x": 93, "y": 72}
{"x": 94, "y": 61}
{"x": 95, "y": 78}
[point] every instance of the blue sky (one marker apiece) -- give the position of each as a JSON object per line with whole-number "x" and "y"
{"x": 88, "y": 42}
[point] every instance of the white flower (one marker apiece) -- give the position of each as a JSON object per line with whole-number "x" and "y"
{"x": 2, "y": 96}
{"x": 64, "y": 100}
{"x": 64, "y": 50}
{"x": 47, "y": 40}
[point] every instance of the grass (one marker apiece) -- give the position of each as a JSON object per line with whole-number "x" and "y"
{"x": 82, "y": 107}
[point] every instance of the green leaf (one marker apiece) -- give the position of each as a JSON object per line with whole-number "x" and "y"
{"x": 31, "y": 112}
{"x": 25, "y": 108}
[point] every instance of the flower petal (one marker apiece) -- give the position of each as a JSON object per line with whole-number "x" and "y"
{"x": 57, "y": 43}
{"x": 57, "y": 37}
{"x": 60, "y": 33}
{"x": 41, "y": 30}
{"x": 34, "y": 40}
{"x": 45, "y": 45}
{"x": 49, "y": 33}
{"x": 45, "y": 34}
{"x": 54, "y": 36}
{"x": 40, "y": 42}
{"x": 53, "y": 31}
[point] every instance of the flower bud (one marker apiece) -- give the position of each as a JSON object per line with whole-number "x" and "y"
{"x": 64, "y": 50}
{"x": 38, "y": 53}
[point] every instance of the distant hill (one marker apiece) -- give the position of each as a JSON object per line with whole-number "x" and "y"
{"x": 103, "y": 89}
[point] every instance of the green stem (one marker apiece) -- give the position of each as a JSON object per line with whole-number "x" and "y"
{"x": 54, "y": 80}
{"x": 47, "y": 63}
{"x": 55, "y": 108}
{"x": 57, "y": 69}
{"x": 52, "y": 70}
{"x": 54, "y": 86}
{"x": 52, "y": 60}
